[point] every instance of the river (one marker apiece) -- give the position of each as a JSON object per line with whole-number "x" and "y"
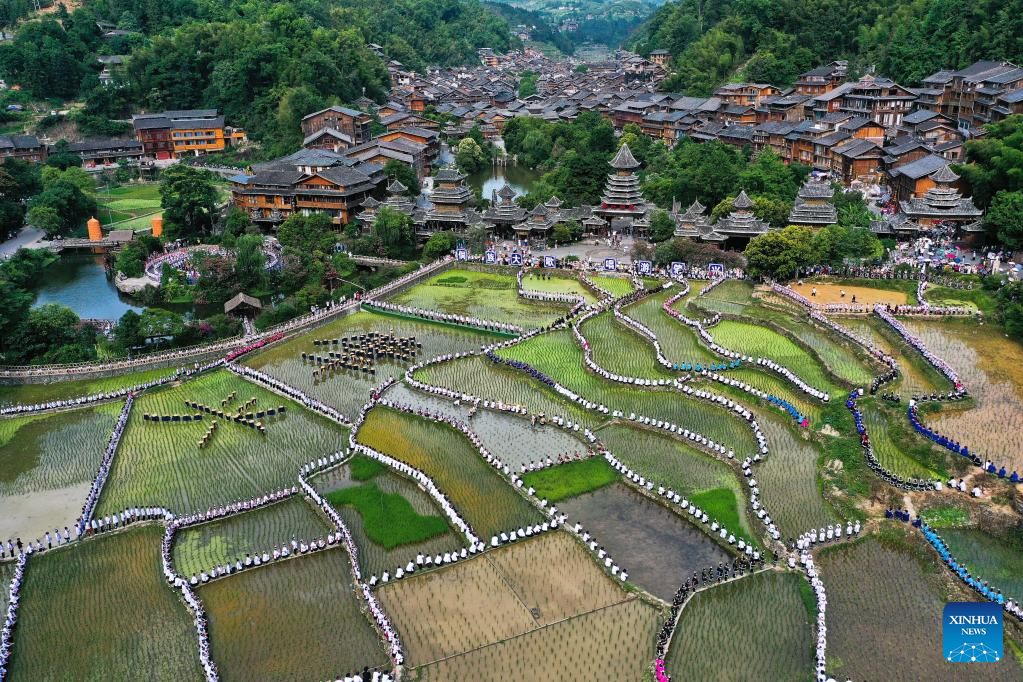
{"x": 489, "y": 180}
{"x": 80, "y": 282}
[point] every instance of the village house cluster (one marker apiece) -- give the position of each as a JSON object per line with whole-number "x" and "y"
{"x": 860, "y": 132}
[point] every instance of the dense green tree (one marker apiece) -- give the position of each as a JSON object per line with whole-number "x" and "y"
{"x": 51, "y": 333}
{"x": 44, "y": 218}
{"x": 393, "y": 234}
{"x": 439, "y": 244}
{"x": 250, "y": 263}
{"x": 527, "y": 84}
{"x": 662, "y": 227}
{"x": 780, "y": 254}
{"x": 469, "y": 156}
{"x": 1004, "y": 218}
{"x": 189, "y": 199}
{"x": 405, "y": 174}
{"x": 995, "y": 161}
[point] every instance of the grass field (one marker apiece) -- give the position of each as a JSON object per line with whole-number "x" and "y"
{"x": 374, "y": 558}
{"x": 878, "y": 592}
{"x": 613, "y": 643}
{"x": 101, "y": 610}
{"x": 496, "y": 596}
{"x": 656, "y": 545}
{"x": 571, "y": 479}
{"x": 486, "y": 295}
{"x": 200, "y": 548}
{"x": 754, "y": 629}
{"x": 297, "y": 619}
{"x": 482, "y": 497}
{"x": 47, "y": 463}
{"x": 29, "y": 394}
{"x": 161, "y": 463}
{"x": 347, "y": 391}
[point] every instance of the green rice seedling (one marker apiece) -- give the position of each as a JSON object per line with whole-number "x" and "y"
{"x": 559, "y": 284}
{"x": 388, "y": 519}
{"x": 878, "y": 590}
{"x": 205, "y": 546}
{"x": 47, "y": 464}
{"x": 295, "y": 619}
{"x": 481, "y": 495}
{"x": 996, "y": 559}
{"x": 760, "y": 341}
{"x": 30, "y": 394}
{"x": 755, "y": 628}
{"x": 161, "y": 463}
{"x": 573, "y": 478}
{"x": 679, "y": 342}
{"x": 613, "y": 643}
{"x": 347, "y": 391}
{"x": 102, "y": 608}
{"x": 896, "y": 447}
{"x": 375, "y": 558}
{"x": 619, "y": 286}
{"x": 490, "y": 296}
{"x": 917, "y": 376}
{"x": 618, "y": 349}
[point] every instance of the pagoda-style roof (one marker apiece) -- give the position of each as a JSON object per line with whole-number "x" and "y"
{"x": 812, "y": 206}
{"x": 742, "y": 202}
{"x": 506, "y": 192}
{"x": 690, "y": 223}
{"x": 624, "y": 160}
{"x": 448, "y": 175}
{"x": 944, "y": 175}
{"x": 816, "y": 189}
{"x": 553, "y": 202}
{"x": 395, "y": 187}
{"x": 538, "y": 210}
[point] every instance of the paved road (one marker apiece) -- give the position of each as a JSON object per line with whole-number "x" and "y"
{"x": 27, "y": 236}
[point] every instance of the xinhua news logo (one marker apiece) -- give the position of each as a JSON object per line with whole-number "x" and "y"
{"x": 972, "y": 632}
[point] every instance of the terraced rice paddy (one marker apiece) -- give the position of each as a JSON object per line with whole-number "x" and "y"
{"x": 991, "y": 367}
{"x": 296, "y": 619}
{"x": 162, "y": 464}
{"x": 678, "y": 342}
{"x": 557, "y": 284}
{"x": 491, "y": 296}
{"x": 917, "y": 376}
{"x": 894, "y": 445}
{"x": 203, "y": 547}
{"x": 102, "y": 610}
{"x": 347, "y": 391}
{"x": 619, "y": 286}
{"x": 497, "y": 596}
{"x": 756, "y": 628}
{"x": 31, "y": 394}
{"x": 622, "y": 351}
{"x": 653, "y": 543}
{"x": 764, "y": 342}
{"x": 47, "y": 463}
{"x": 880, "y": 601}
{"x": 612, "y": 643}
{"x": 484, "y": 499}
{"x": 995, "y": 559}
{"x": 374, "y": 558}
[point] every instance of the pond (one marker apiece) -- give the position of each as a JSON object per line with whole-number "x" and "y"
{"x": 655, "y": 545}
{"x": 489, "y": 180}
{"x": 80, "y": 282}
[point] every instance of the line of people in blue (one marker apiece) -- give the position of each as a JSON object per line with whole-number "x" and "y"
{"x": 982, "y": 587}
{"x": 868, "y": 451}
{"x": 956, "y": 447}
{"x": 713, "y": 366}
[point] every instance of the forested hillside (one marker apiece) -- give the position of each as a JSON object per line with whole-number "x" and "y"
{"x": 713, "y": 41}
{"x": 263, "y": 63}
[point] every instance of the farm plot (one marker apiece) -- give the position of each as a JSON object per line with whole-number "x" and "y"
{"x": 837, "y": 356}
{"x": 573, "y": 478}
{"x": 653, "y": 543}
{"x": 729, "y": 297}
{"x": 898, "y": 449}
{"x": 622, "y": 351}
{"x": 991, "y": 367}
{"x": 619, "y": 286}
{"x": 989, "y": 557}
{"x": 557, "y": 355}
{"x": 101, "y": 610}
{"x": 756, "y": 628}
{"x": 30, "y": 394}
{"x": 678, "y": 342}
{"x": 613, "y": 643}
{"x": 751, "y": 339}
{"x": 200, "y": 548}
{"x": 297, "y": 619}
{"x": 490, "y": 296}
{"x": 479, "y": 376}
{"x": 878, "y": 591}
{"x": 484, "y": 499}
{"x": 492, "y": 597}
{"x": 789, "y": 478}
{"x": 347, "y": 391}
{"x": 830, "y": 292}
{"x": 162, "y": 464}
{"x": 47, "y": 463}
{"x": 917, "y": 375}
{"x": 557, "y": 284}
{"x": 511, "y": 438}
{"x": 672, "y": 463}
{"x": 375, "y": 558}
{"x": 765, "y": 380}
